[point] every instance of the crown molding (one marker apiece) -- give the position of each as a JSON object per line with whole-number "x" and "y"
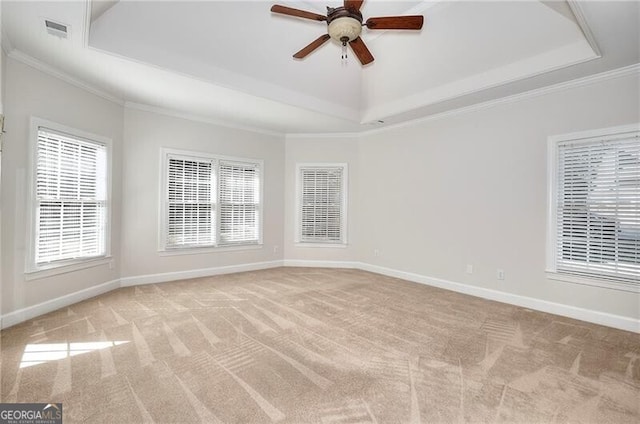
{"x": 289, "y": 136}
{"x": 450, "y": 91}
{"x": 567, "y": 85}
{"x": 554, "y": 88}
{"x": 199, "y": 118}
{"x": 575, "y": 83}
{"x": 24, "y": 58}
{"x": 576, "y": 9}
{"x": 86, "y": 23}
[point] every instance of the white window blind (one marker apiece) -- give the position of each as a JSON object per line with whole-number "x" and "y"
{"x": 190, "y": 202}
{"x": 210, "y": 201}
{"x": 239, "y": 202}
{"x": 321, "y": 205}
{"x": 71, "y": 198}
{"x": 598, "y": 208}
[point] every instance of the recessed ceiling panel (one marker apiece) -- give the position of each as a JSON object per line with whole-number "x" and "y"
{"x": 231, "y": 61}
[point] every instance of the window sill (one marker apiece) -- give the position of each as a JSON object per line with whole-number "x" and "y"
{"x": 51, "y": 270}
{"x": 577, "y": 279}
{"x": 205, "y": 250}
{"x": 326, "y": 245}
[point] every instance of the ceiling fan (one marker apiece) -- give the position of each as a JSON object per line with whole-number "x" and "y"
{"x": 345, "y": 25}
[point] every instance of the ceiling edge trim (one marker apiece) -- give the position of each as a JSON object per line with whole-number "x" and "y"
{"x": 576, "y": 9}
{"x": 554, "y": 88}
{"x": 24, "y": 58}
{"x": 289, "y": 136}
{"x": 575, "y": 83}
{"x": 381, "y": 113}
{"x": 199, "y": 118}
{"x": 86, "y": 23}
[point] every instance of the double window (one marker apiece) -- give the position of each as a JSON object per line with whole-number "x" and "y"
{"x": 321, "y": 208}
{"x": 594, "y": 225}
{"x": 69, "y": 197}
{"x": 210, "y": 201}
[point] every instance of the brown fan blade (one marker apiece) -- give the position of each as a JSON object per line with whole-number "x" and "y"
{"x": 312, "y": 46}
{"x": 396, "y": 22}
{"x": 361, "y": 51}
{"x": 297, "y": 13}
{"x": 353, "y": 4}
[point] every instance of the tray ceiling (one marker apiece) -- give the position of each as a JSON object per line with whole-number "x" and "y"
{"x": 232, "y": 61}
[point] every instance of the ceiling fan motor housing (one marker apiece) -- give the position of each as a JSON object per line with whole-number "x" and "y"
{"x": 344, "y": 24}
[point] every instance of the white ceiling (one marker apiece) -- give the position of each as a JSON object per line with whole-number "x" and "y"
{"x": 231, "y": 61}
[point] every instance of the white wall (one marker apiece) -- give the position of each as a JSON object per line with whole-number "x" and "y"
{"x": 144, "y": 134}
{"x": 320, "y": 150}
{"x": 471, "y": 189}
{"x": 32, "y": 93}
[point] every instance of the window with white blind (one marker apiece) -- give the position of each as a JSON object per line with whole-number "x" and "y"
{"x": 210, "y": 201}
{"x": 190, "y": 202}
{"x": 239, "y": 202}
{"x": 321, "y": 209}
{"x": 70, "y": 204}
{"x": 595, "y": 212}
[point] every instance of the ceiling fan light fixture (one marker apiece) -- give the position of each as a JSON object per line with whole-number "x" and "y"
{"x": 343, "y": 28}
{"x": 344, "y": 24}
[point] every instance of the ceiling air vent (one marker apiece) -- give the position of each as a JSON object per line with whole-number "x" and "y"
{"x": 55, "y": 28}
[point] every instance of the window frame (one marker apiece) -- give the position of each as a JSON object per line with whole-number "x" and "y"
{"x": 343, "y": 243}
{"x": 166, "y": 250}
{"x": 32, "y": 269}
{"x": 551, "y": 270}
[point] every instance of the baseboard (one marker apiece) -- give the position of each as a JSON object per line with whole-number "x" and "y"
{"x": 588, "y": 315}
{"x": 24, "y": 314}
{"x": 321, "y": 264}
{"x": 196, "y": 273}
{"x": 596, "y": 317}
{"x": 21, "y": 315}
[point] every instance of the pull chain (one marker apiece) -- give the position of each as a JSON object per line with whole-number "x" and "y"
{"x": 344, "y": 52}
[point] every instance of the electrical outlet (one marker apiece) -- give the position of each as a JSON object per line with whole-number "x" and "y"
{"x": 376, "y": 252}
{"x": 469, "y": 269}
{"x": 112, "y": 265}
{"x": 275, "y": 249}
{"x": 500, "y": 274}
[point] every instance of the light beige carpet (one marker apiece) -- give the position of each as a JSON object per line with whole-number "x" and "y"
{"x": 317, "y": 346}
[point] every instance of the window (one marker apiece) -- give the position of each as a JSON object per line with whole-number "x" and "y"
{"x": 595, "y": 210}
{"x": 70, "y": 197}
{"x": 191, "y": 202}
{"x": 210, "y": 201}
{"x": 239, "y": 202}
{"x": 321, "y": 203}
